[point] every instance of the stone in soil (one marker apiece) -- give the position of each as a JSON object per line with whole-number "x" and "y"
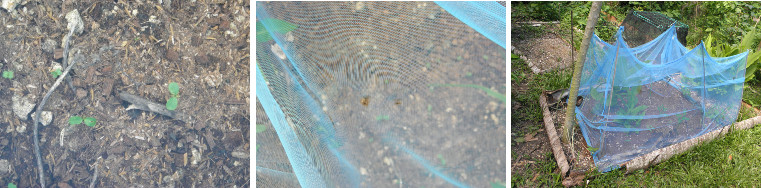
{"x": 22, "y": 105}
{"x": 45, "y": 117}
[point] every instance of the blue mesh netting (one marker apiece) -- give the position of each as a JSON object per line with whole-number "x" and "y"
{"x": 640, "y": 99}
{"x": 380, "y": 94}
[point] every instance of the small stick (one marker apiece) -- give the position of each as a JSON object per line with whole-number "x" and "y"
{"x": 95, "y": 176}
{"x": 38, "y": 112}
{"x": 146, "y": 105}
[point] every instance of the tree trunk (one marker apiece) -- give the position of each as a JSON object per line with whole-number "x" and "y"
{"x": 594, "y": 14}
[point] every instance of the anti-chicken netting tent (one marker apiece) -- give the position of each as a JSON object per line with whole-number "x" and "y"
{"x": 640, "y": 99}
{"x": 380, "y": 94}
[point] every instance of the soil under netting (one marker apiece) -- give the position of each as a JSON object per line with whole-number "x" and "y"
{"x": 622, "y": 139}
{"x": 133, "y": 48}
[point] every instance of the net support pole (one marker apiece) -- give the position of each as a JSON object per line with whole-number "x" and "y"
{"x": 594, "y": 14}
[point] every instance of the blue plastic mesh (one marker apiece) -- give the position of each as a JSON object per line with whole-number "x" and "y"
{"x": 640, "y": 99}
{"x": 380, "y": 94}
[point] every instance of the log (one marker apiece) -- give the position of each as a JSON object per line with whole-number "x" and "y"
{"x": 664, "y": 154}
{"x": 549, "y": 125}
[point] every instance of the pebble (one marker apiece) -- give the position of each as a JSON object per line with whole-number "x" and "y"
{"x": 363, "y": 171}
{"x": 46, "y": 117}
{"x": 5, "y": 167}
{"x": 388, "y": 161}
{"x": 196, "y": 157}
{"x": 75, "y": 22}
{"x": 240, "y": 154}
{"x": 22, "y": 105}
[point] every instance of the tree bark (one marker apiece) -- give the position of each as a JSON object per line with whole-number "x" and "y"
{"x": 594, "y": 14}
{"x": 549, "y": 126}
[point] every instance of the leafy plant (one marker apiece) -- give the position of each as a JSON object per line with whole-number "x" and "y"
{"x": 76, "y": 120}
{"x": 56, "y": 73}
{"x": 8, "y": 74}
{"x": 11, "y": 185}
{"x": 174, "y": 90}
{"x": 630, "y": 106}
{"x": 726, "y": 50}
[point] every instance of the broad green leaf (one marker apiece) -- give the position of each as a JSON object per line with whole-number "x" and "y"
{"x": 171, "y": 104}
{"x": 174, "y": 89}
{"x": 11, "y": 185}
{"x": 90, "y": 121}
{"x": 260, "y": 128}
{"x": 75, "y": 120}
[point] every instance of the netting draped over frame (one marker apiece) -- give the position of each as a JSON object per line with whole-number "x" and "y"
{"x": 640, "y": 99}
{"x": 380, "y": 94}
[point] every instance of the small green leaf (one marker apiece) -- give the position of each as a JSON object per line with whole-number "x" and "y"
{"x": 381, "y": 117}
{"x": 519, "y": 140}
{"x": 90, "y": 121}
{"x": 171, "y": 104}
{"x": 56, "y": 73}
{"x": 260, "y": 128}
{"x": 11, "y": 185}
{"x": 8, "y": 74}
{"x": 441, "y": 158}
{"x": 279, "y": 26}
{"x": 174, "y": 89}
{"x": 591, "y": 149}
{"x": 486, "y": 57}
{"x": 75, "y": 120}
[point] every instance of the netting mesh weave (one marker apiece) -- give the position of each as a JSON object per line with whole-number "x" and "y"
{"x": 380, "y": 94}
{"x": 640, "y": 99}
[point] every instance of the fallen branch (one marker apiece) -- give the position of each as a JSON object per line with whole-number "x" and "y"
{"x": 664, "y": 154}
{"x": 138, "y": 103}
{"x": 557, "y": 149}
{"x": 38, "y": 112}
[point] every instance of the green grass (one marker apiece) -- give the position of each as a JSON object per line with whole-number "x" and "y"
{"x": 706, "y": 165}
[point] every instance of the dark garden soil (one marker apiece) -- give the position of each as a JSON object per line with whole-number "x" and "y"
{"x": 133, "y": 47}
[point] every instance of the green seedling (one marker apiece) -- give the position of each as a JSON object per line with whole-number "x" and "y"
{"x": 441, "y": 158}
{"x": 89, "y": 121}
{"x": 8, "y": 74}
{"x": 488, "y": 91}
{"x": 56, "y": 73}
{"x": 381, "y": 117}
{"x": 486, "y": 57}
{"x": 171, "y": 104}
{"x": 174, "y": 89}
{"x": 11, "y": 185}
{"x": 75, "y": 120}
{"x": 260, "y": 128}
